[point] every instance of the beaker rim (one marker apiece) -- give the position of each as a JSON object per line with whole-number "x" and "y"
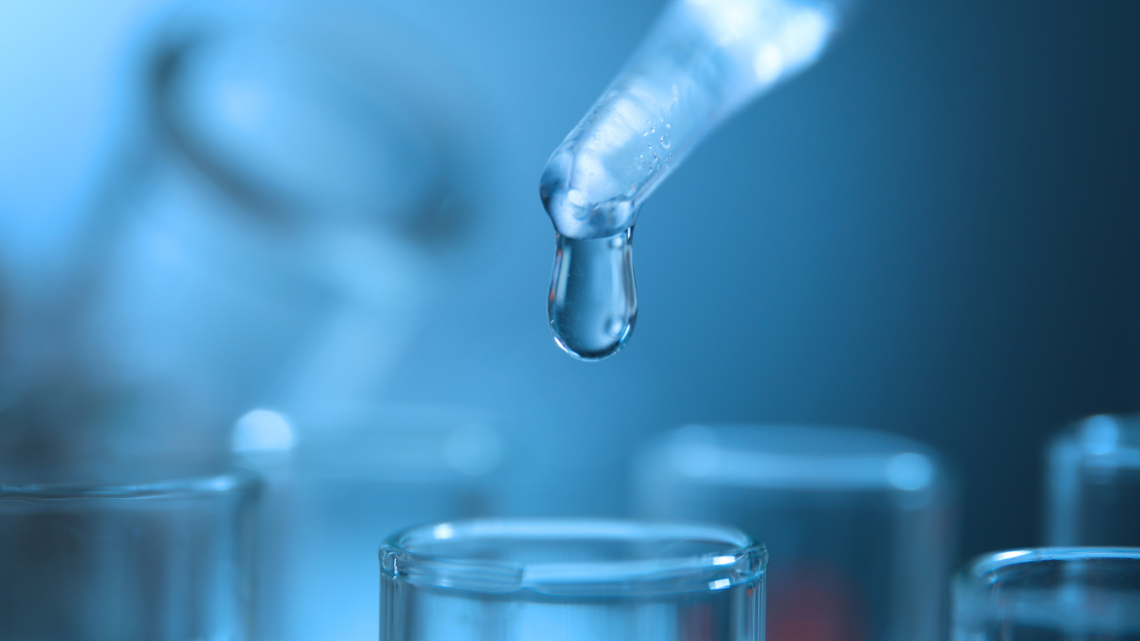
{"x": 144, "y": 483}
{"x": 792, "y": 457}
{"x": 990, "y": 566}
{"x": 573, "y": 557}
{"x": 1102, "y": 440}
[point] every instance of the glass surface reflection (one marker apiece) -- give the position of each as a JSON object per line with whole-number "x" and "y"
{"x": 571, "y": 580}
{"x": 1093, "y": 483}
{"x": 860, "y": 522}
{"x": 1049, "y": 594}
{"x": 126, "y": 553}
{"x": 337, "y": 480}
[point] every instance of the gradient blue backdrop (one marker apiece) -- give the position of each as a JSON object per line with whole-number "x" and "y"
{"x": 933, "y": 232}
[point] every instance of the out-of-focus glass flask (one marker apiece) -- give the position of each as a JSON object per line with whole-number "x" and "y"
{"x": 860, "y": 523}
{"x": 297, "y": 178}
{"x": 126, "y": 553}
{"x": 1093, "y": 483}
{"x": 339, "y": 479}
{"x": 1049, "y": 594}
{"x": 571, "y": 580}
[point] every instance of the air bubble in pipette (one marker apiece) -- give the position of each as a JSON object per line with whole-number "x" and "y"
{"x": 593, "y": 302}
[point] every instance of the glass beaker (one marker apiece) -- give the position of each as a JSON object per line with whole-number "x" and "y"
{"x": 862, "y": 520}
{"x": 125, "y": 554}
{"x": 338, "y": 480}
{"x": 1093, "y": 483}
{"x": 571, "y": 580}
{"x": 1054, "y": 594}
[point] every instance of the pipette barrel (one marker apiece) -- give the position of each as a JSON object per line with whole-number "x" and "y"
{"x": 701, "y": 61}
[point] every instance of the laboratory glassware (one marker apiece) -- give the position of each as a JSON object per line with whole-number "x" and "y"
{"x": 292, "y": 183}
{"x": 1055, "y": 594}
{"x": 1093, "y": 483}
{"x": 126, "y": 553}
{"x": 701, "y": 61}
{"x": 571, "y": 580}
{"x": 861, "y": 522}
{"x": 337, "y": 481}
{"x": 311, "y": 181}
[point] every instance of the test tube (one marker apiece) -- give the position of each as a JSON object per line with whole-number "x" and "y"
{"x": 339, "y": 479}
{"x": 860, "y": 523}
{"x": 126, "y": 555}
{"x": 1060, "y": 594}
{"x": 1093, "y": 483}
{"x": 571, "y": 580}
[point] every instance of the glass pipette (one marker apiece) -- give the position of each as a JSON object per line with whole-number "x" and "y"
{"x": 701, "y": 61}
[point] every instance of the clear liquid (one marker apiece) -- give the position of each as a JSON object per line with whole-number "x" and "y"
{"x": 593, "y": 299}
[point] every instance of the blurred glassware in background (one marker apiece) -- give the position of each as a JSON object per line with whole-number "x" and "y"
{"x": 300, "y": 173}
{"x": 1093, "y": 483}
{"x": 571, "y": 580}
{"x": 126, "y": 553}
{"x": 337, "y": 482}
{"x": 862, "y": 523}
{"x": 63, "y": 425}
{"x": 1055, "y": 594}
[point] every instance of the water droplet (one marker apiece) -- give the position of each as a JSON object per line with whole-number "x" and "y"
{"x": 645, "y": 134}
{"x": 668, "y": 127}
{"x": 653, "y": 130}
{"x": 593, "y": 299}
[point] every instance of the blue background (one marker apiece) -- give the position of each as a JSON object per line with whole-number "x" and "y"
{"x": 932, "y": 232}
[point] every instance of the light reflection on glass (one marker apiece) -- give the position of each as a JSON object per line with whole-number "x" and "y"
{"x": 860, "y": 521}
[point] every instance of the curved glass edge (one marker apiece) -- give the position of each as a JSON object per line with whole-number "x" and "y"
{"x": 987, "y": 568}
{"x": 1098, "y": 441}
{"x": 229, "y": 481}
{"x": 744, "y": 561}
{"x": 737, "y": 455}
{"x": 422, "y": 442}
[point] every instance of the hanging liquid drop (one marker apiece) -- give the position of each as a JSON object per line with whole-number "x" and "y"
{"x": 701, "y": 62}
{"x": 593, "y": 300}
